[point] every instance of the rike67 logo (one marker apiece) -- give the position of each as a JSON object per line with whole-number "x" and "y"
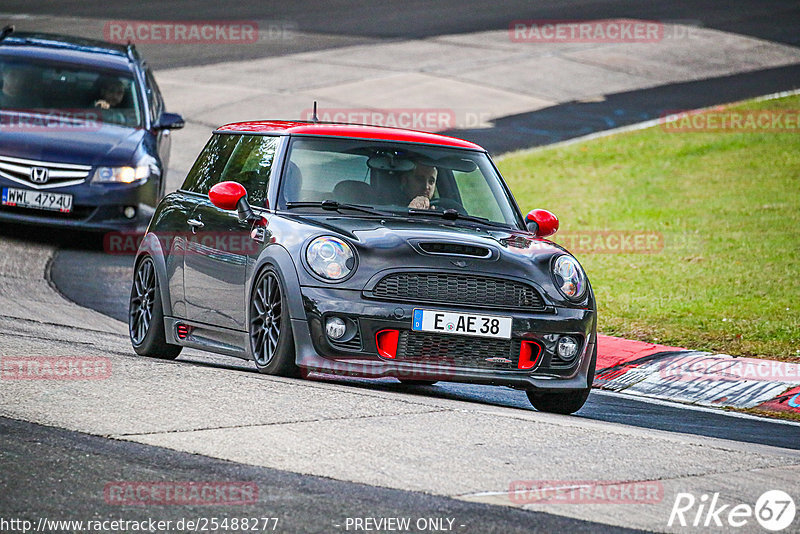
{"x": 774, "y": 510}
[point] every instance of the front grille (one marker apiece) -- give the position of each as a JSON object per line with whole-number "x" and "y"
{"x": 457, "y": 351}
{"x": 458, "y": 289}
{"x": 42, "y": 174}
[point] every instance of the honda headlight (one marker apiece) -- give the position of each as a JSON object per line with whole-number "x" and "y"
{"x": 569, "y": 277}
{"x": 330, "y": 258}
{"x": 126, "y": 174}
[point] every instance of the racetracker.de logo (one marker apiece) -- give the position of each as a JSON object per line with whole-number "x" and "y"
{"x": 180, "y": 493}
{"x": 586, "y": 31}
{"x": 181, "y": 32}
{"x": 732, "y": 121}
{"x": 692, "y": 368}
{"x": 611, "y": 242}
{"x": 49, "y": 120}
{"x": 128, "y": 243}
{"x": 585, "y": 492}
{"x": 55, "y": 368}
{"x": 428, "y": 119}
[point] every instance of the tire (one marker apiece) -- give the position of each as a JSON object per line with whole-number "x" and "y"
{"x": 146, "y": 314}
{"x": 566, "y": 402}
{"x": 417, "y": 382}
{"x": 270, "y": 327}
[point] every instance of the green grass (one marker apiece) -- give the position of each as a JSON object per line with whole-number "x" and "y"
{"x": 728, "y": 207}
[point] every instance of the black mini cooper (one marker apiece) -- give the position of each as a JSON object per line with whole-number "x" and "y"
{"x": 366, "y": 251}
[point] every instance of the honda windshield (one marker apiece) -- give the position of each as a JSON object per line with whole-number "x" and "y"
{"x": 65, "y": 92}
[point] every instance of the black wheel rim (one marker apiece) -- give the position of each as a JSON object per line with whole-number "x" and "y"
{"x": 142, "y": 300}
{"x": 265, "y": 318}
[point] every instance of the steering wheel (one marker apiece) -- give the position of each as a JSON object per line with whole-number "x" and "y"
{"x": 449, "y": 204}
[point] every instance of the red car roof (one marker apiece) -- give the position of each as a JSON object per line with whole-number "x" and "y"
{"x": 347, "y": 130}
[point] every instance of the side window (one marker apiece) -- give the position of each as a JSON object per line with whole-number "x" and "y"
{"x": 155, "y": 102}
{"x": 474, "y": 194}
{"x": 250, "y": 164}
{"x": 207, "y": 170}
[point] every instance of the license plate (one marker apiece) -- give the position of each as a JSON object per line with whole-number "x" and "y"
{"x": 27, "y": 198}
{"x": 466, "y": 324}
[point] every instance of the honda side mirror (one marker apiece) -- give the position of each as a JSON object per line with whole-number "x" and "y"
{"x": 169, "y": 121}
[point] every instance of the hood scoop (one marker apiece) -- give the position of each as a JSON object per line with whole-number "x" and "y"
{"x": 455, "y": 249}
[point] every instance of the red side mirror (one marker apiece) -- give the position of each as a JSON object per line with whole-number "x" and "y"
{"x": 542, "y": 223}
{"x": 226, "y": 195}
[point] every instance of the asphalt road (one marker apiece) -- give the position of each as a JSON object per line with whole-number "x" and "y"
{"x": 318, "y": 26}
{"x": 74, "y": 468}
{"x": 574, "y": 119}
{"x": 771, "y": 19}
{"x": 323, "y": 25}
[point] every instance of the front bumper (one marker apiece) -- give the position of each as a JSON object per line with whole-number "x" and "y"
{"x": 457, "y": 358}
{"x": 95, "y": 207}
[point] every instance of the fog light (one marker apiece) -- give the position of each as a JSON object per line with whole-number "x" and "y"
{"x": 567, "y": 348}
{"x": 129, "y": 212}
{"x": 335, "y": 327}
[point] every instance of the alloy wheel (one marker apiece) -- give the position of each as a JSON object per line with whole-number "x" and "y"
{"x": 265, "y": 318}
{"x": 142, "y": 301}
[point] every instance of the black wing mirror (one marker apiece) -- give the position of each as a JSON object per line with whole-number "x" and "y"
{"x": 169, "y": 121}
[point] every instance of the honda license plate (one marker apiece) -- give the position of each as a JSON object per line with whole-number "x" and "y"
{"x": 27, "y": 198}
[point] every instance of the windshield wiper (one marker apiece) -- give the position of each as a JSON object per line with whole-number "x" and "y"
{"x": 451, "y": 215}
{"x": 332, "y": 205}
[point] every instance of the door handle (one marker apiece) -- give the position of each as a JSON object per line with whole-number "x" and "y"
{"x": 195, "y": 224}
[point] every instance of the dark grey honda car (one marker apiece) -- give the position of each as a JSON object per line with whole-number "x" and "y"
{"x": 366, "y": 251}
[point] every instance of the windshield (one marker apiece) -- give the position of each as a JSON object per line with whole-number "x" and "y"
{"x": 77, "y": 93}
{"x": 394, "y": 177}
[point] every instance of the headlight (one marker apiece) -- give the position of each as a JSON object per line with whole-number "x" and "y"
{"x": 569, "y": 277}
{"x": 126, "y": 175}
{"x": 330, "y": 258}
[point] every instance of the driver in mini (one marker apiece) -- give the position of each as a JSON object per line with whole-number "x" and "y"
{"x": 418, "y": 186}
